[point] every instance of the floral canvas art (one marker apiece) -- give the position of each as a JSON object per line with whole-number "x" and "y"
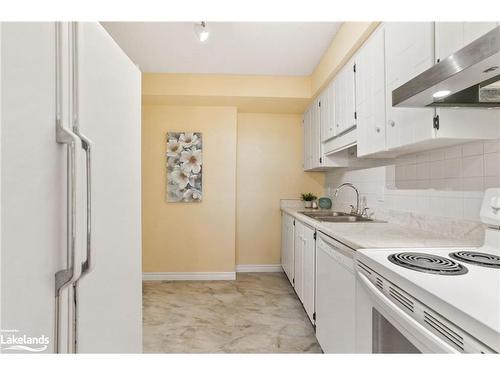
{"x": 184, "y": 167}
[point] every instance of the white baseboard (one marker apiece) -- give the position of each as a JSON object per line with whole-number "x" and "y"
{"x": 151, "y": 276}
{"x": 259, "y": 268}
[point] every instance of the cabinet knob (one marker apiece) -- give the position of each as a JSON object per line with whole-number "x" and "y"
{"x": 392, "y": 123}
{"x": 377, "y": 129}
{"x": 337, "y": 125}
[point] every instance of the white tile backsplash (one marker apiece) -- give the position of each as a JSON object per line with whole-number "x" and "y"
{"x": 473, "y": 166}
{"x": 447, "y": 182}
{"x": 473, "y": 148}
{"x": 492, "y": 164}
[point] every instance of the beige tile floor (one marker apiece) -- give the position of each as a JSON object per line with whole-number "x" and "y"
{"x": 257, "y": 313}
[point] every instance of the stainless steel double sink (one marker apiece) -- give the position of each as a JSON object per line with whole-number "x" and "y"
{"x": 337, "y": 217}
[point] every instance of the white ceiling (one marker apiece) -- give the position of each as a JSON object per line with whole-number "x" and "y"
{"x": 275, "y": 48}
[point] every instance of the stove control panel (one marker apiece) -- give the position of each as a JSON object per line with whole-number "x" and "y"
{"x": 490, "y": 209}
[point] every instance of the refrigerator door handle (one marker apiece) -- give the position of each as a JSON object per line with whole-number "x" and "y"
{"x": 66, "y": 277}
{"x": 88, "y": 264}
{"x": 65, "y": 135}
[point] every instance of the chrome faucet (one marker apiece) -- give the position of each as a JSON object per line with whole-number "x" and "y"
{"x": 348, "y": 184}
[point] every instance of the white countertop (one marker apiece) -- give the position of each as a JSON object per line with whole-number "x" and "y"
{"x": 380, "y": 235}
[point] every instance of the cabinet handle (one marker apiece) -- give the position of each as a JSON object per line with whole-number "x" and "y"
{"x": 392, "y": 123}
{"x": 377, "y": 129}
{"x": 337, "y": 125}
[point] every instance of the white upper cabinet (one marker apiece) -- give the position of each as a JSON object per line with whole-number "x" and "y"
{"x": 370, "y": 95}
{"x": 356, "y": 107}
{"x": 451, "y": 36}
{"x": 318, "y": 124}
{"x": 312, "y": 137}
{"x": 464, "y": 123}
{"x": 409, "y": 50}
{"x": 345, "y": 99}
{"x": 327, "y": 112}
{"x": 306, "y": 124}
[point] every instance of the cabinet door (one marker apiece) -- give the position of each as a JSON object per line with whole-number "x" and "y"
{"x": 298, "y": 244}
{"x": 306, "y": 121}
{"x": 324, "y": 112}
{"x": 473, "y": 30}
{"x": 370, "y": 95}
{"x": 463, "y": 123}
{"x": 451, "y": 36}
{"x": 344, "y": 98}
{"x": 327, "y": 112}
{"x": 332, "y": 109}
{"x": 308, "y": 260}
{"x": 409, "y": 50}
{"x": 350, "y": 95}
{"x": 448, "y": 38}
{"x": 284, "y": 233}
{"x": 287, "y": 250}
{"x": 315, "y": 134}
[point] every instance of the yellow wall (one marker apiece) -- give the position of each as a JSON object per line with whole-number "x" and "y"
{"x": 189, "y": 237}
{"x": 271, "y": 94}
{"x": 269, "y": 168}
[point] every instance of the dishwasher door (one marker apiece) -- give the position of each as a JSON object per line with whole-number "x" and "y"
{"x": 335, "y": 296}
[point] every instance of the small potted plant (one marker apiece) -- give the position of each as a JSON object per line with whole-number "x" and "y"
{"x": 308, "y": 199}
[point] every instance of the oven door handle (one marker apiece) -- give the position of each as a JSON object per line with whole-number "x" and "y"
{"x": 401, "y": 316}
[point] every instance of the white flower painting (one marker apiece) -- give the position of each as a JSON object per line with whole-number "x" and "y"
{"x": 184, "y": 167}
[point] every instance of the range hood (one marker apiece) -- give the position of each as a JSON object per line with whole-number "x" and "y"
{"x": 468, "y": 78}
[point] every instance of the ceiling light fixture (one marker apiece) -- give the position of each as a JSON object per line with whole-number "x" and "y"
{"x": 201, "y": 31}
{"x": 441, "y": 94}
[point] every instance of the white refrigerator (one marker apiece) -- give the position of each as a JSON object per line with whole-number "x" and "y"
{"x": 70, "y": 181}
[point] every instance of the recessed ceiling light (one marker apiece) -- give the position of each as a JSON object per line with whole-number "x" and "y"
{"x": 201, "y": 31}
{"x": 441, "y": 93}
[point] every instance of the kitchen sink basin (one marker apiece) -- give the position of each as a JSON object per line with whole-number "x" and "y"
{"x": 316, "y": 214}
{"x": 345, "y": 219}
{"x": 337, "y": 217}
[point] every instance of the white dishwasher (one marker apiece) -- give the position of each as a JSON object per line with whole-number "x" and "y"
{"x": 335, "y": 295}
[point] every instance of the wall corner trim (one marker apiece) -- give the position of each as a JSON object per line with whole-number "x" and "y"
{"x": 259, "y": 268}
{"x": 188, "y": 276}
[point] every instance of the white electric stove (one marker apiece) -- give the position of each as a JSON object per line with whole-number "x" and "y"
{"x": 438, "y": 300}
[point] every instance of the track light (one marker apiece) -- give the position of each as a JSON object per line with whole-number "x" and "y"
{"x": 201, "y": 31}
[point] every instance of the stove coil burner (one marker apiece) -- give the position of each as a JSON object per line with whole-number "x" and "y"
{"x": 428, "y": 263}
{"x": 480, "y": 259}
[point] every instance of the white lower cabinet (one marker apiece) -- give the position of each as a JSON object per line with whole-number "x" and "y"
{"x": 304, "y": 260}
{"x": 321, "y": 271}
{"x": 335, "y": 296}
{"x": 287, "y": 247}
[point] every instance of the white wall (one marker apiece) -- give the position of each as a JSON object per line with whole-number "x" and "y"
{"x": 447, "y": 182}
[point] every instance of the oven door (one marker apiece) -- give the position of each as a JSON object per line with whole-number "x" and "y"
{"x": 382, "y": 327}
